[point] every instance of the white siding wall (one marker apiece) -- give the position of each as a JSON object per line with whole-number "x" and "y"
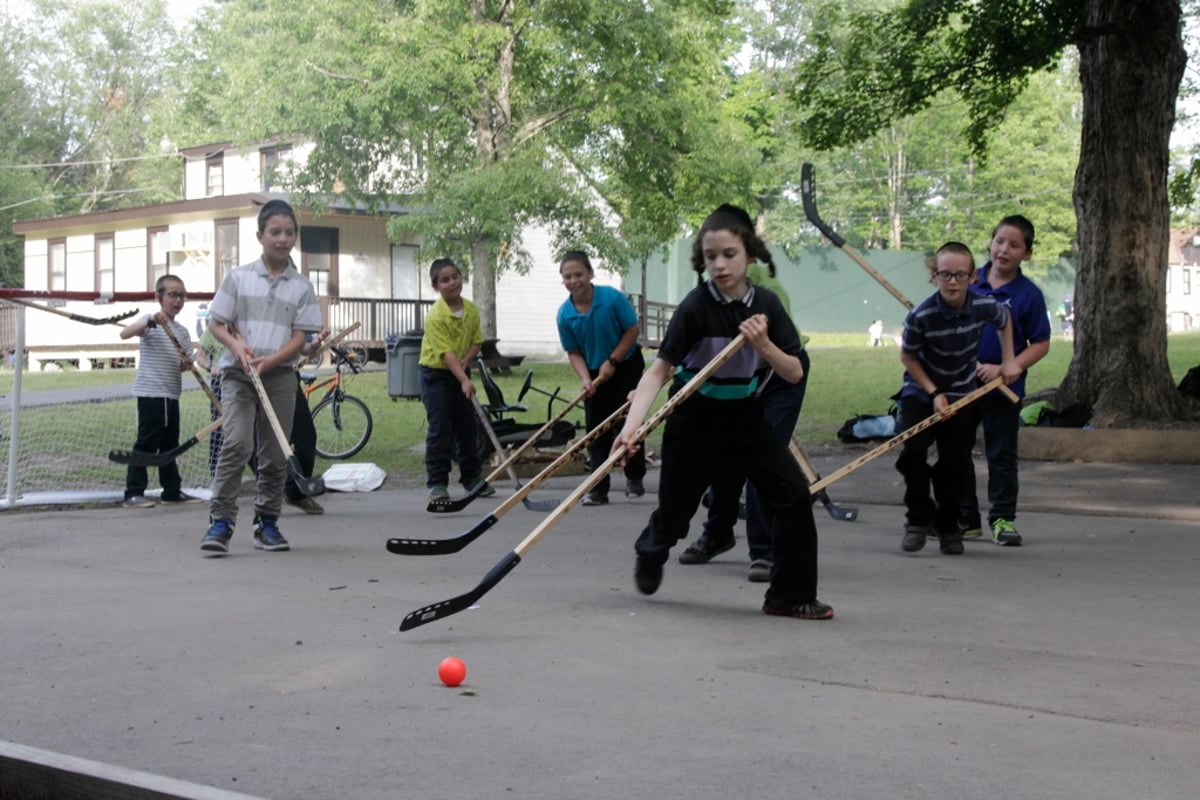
{"x": 527, "y": 305}
{"x": 1183, "y": 296}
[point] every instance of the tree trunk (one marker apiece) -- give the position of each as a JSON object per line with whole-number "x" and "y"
{"x": 483, "y": 283}
{"x": 1131, "y": 64}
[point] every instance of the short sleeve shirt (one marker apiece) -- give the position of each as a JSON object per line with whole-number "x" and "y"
{"x": 596, "y": 334}
{"x": 159, "y": 369}
{"x": 705, "y": 322}
{"x": 946, "y": 340}
{"x": 1027, "y": 307}
{"x": 265, "y": 309}
{"x": 446, "y": 332}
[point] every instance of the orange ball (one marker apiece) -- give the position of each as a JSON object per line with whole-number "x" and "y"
{"x": 452, "y": 671}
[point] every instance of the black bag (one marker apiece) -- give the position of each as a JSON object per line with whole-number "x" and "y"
{"x": 867, "y": 428}
{"x": 1075, "y": 415}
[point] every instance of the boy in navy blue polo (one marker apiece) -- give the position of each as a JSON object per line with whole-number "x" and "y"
{"x": 1002, "y": 278}
{"x": 941, "y": 342}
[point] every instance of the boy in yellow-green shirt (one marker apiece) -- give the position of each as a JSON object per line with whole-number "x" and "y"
{"x": 451, "y": 342}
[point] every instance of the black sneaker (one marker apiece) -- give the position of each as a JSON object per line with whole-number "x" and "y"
{"x": 595, "y": 499}
{"x": 267, "y": 536}
{"x": 914, "y": 537}
{"x": 634, "y": 488}
{"x": 811, "y": 609}
{"x": 951, "y": 544}
{"x": 705, "y": 549}
{"x": 647, "y": 576}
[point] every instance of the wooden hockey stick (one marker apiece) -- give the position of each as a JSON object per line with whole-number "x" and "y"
{"x": 200, "y": 379}
{"x": 532, "y": 505}
{"x": 812, "y": 476}
{"x": 464, "y": 601}
{"x": 143, "y": 459}
{"x": 433, "y": 547}
{"x": 316, "y": 355}
{"x": 810, "y": 211}
{"x": 901, "y": 438}
{"x": 113, "y": 320}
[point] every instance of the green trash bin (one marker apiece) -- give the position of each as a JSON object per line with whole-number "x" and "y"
{"x": 404, "y": 371}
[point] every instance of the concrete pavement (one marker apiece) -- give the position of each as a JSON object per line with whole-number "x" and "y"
{"x": 1067, "y": 668}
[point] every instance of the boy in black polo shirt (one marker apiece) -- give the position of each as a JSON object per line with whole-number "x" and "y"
{"x": 941, "y": 342}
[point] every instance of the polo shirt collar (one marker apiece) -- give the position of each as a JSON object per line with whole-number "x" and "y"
{"x": 725, "y": 299}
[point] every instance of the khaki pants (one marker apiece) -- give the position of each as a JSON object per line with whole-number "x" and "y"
{"x": 243, "y": 419}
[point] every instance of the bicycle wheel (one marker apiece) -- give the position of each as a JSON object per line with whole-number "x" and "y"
{"x": 343, "y": 426}
{"x": 358, "y": 353}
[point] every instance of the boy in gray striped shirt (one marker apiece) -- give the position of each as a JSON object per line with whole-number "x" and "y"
{"x": 156, "y": 386}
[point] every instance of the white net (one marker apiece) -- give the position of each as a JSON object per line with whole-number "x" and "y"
{"x": 60, "y": 419}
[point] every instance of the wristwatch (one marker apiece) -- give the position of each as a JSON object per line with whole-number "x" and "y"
{"x": 614, "y": 362}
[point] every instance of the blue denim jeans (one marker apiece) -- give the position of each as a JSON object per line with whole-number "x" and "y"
{"x": 451, "y": 428}
{"x": 781, "y": 406}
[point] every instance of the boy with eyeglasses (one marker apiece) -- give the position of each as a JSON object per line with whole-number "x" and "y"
{"x": 157, "y": 385}
{"x": 940, "y": 345}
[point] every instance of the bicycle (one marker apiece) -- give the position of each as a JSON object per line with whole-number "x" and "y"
{"x": 343, "y": 422}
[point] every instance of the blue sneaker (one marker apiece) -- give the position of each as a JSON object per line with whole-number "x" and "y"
{"x": 216, "y": 540}
{"x": 267, "y": 536}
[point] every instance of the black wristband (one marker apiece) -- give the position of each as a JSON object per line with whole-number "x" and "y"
{"x": 935, "y": 393}
{"x": 614, "y": 362}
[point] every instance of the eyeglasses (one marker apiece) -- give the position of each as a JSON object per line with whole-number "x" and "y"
{"x": 960, "y": 277}
{"x": 176, "y": 295}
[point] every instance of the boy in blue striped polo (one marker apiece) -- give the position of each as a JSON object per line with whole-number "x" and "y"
{"x": 941, "y": 342}
{"x": 156, "y": 386}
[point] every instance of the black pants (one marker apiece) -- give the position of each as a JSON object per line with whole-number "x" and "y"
{"x": 610, "y": 396}
{"x": 157, "y": 430}
{"x": 304, "y": 442}
{"x": 954, "y": 439}
{"x": 706, "y": 439}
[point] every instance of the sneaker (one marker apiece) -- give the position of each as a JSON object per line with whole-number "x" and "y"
{"x": 595, "y": 499}
{"x": 488, "y": 489}
{"x": 812, "y": 609}
{"x": 951, "y": 544}
{"x": 970, "y": 530}
{"x": 705, "y": 549}
{"x": 138, "y": 501}
{"x": 305, "y": 504}
{"x": 760, "y": 570}
{"x": 438, "y": 493}
{"x": 634, "y": 488}
{"x": 216, "y": 540}
{"x": 183, "y": 499}
{"x": 1004, "y": 533}
{"x": 914, "y": 537}
{"x": 647, "y": 576}
{"x": 267, "y": 536}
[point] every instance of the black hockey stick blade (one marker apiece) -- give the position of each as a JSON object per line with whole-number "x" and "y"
{"x": 140, "y": 458}
{"x": 464, "y": 601}
{"x": 837, "y": 512}
{"x": 453, "y": 505}
{"x": 307, "y": 486}
{"x": 441, "y": 547}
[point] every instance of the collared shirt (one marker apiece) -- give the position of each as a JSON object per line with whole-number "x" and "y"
{"x": 447, "y": 332}
{"x": 595, "y": 334}
{"x": 707, "y": 320}
{"x": 946, "y": 340}
{"x": 1026, "y": 306}
{"x": 159, "y": 367}
{"x": 265, "y": 309}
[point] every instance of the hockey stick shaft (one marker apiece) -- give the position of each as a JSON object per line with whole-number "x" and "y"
{"x": 434, "y": 547}
{"x": 452, "y": 606}
{"x": 901, "y": 438}
{"x": 114, "y": 320}
{"x": 186, "y": 356}
{"x": 306, "y": 485}
{"x": 532, "y": 440}
{"x": 810, "y": 211}
{"x": 316, "y": 355}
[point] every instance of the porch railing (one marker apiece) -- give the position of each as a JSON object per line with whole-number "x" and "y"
{"x": 379, "y": 318}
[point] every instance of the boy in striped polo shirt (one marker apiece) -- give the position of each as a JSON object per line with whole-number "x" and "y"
{"x": 941, "y": 343}
{"x": 262, "y": 314}
{"x": 156, "y": 386}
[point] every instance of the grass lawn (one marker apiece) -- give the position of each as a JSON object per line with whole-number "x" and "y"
{"x": 848, "y": 378}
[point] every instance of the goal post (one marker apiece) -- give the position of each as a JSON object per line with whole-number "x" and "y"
{"x": 57, "y": 427}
